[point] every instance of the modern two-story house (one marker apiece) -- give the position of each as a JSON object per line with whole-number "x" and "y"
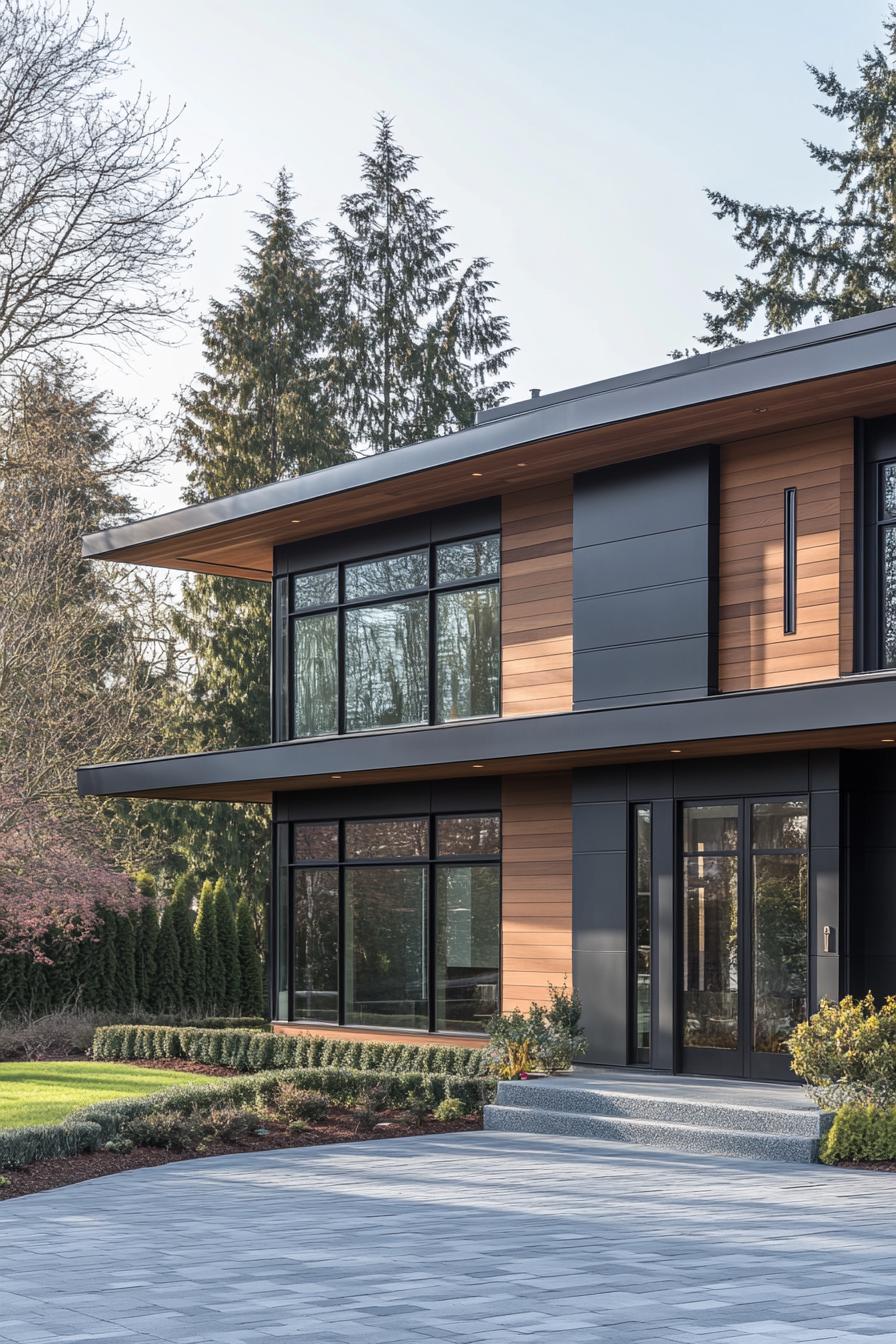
{"x": 602, "y": 688}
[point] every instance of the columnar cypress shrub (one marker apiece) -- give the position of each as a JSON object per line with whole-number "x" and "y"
{"x": 147, "y": 937}
{"x": 167, "y": 994}
{"x": 227, "y": 948}
{"x": 125, "y": 973}
{"x": 106, "y": 958}
{"x": 186, "y": 891}
{"x": 251, "y": 979}
{"x": 208, "y": 962}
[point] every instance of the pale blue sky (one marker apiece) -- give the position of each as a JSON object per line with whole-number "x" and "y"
{"x": 569, "y": 142}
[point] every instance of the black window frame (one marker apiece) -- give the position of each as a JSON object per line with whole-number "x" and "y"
{"x": 342, "y": 604}
{"x": 431, "y": 861}
{"x": 638, "y": 1054}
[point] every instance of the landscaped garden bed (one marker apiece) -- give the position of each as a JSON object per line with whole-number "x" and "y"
{"x": 340, "y": 1126}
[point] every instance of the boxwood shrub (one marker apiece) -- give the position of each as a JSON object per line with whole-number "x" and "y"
{"x": 254, "y": 1051}
{"x": 861, "y": 1133}
{"x": 35, "y": 1143}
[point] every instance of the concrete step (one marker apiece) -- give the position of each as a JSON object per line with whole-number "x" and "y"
{"x": 563, "y": 1095}
{"x": 664, "y": 1134}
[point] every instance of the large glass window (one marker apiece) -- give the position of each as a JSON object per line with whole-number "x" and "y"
{"x": 887, "y": 542}
{"x": 780, "y": 903}
{"x": 396, "y": 921}
{"x": 710, "y": 932}
{"x": 404, "y": 639}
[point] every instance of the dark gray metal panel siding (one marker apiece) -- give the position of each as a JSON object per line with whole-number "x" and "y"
{"x": 645, "y": 580}
{"x": 394, "y": 800}
{"x": 871, "y": 908}
{"x": 600, "y": 910}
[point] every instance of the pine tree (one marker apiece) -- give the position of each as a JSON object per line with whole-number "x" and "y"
{"x": 185, "y": 893}
{"x": 228, "y": 950}
{"x": 208, "y": 961}
{"x": 252, "y": 1002}
{"x": 418, "y": 345}
{"x": 125, "y": 968}
{"x": 258, "y": 413}
{"x": 833, "y": 260}
{"x": 146, "y": 938}
{"x": 168, "y": 996}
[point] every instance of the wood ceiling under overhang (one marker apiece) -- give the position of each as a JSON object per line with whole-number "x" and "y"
{"x": 243, "y": 547}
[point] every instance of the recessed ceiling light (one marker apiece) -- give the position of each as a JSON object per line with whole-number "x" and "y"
{"x": 475, "y": 473}
{"x": 888, "y": 739}
{"x": 675, "y": 751}
{"x": 335, "y": 776}
{"x": 295, "y": 520}
{"x": 759, "y": 410}
{"x": 477, "y": 767}
{"x": 521, "y": 464}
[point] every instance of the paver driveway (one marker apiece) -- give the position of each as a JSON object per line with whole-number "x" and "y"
{"x": 468, "y": 1237}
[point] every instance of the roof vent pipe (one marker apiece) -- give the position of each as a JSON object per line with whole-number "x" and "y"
{"x": 535, "y": 393}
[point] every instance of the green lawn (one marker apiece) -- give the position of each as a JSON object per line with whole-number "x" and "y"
{"x": 42, "y": 1094}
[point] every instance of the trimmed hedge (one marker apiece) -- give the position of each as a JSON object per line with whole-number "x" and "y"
{"x": 254, "y": 1051}
{"x": 86, "y": 1129}
{"x": 861, "y": 1133}
{"x": 35, "y": 1143}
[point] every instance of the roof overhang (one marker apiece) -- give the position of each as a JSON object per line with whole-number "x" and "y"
{"x": 845, "y": 368}
{"x": 853, "y": 712}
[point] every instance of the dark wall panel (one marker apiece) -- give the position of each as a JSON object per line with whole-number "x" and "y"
{"x": 396, "y": 800}
{"x": 645, "y": 580}
{"x": 871, "y": 782}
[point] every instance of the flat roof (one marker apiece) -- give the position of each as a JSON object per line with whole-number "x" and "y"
{"x": 236, "y": 534}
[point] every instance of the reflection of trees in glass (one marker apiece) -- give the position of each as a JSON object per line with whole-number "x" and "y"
{"x": 315, "y": 675}
{"x": 467, "y": 653}
{"x": 780, "y": 950}
{"x": 386, "y": 944}
{"x": 480, "y": 834}
{"x": 710, "y": 952}
{"x": 467, "y": 945}
{"x": 392, "y": 574}
{"x": 459, "y": 560}
{"x": 387, "y": 838}
{"x": 643, "y": 819}
{"x": 386, "y": 664}
{"x": 315, "y": 945}
{"x": 888, "y": 597}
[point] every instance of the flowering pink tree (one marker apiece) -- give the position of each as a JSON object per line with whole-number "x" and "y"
{"x": 53, "y": 881}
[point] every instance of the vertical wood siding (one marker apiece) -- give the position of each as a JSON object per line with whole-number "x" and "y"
{"x": 753, "y": 649}
{"x": 536, "y": 877}
{"x": 536, "y": 600}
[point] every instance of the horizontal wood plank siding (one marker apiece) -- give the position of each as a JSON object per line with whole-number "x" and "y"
{"x": 536, "y": 894}
{"x": 536, "y": 600}
{"x": 753, "y": 649}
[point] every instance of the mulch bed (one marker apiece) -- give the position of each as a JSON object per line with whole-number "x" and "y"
{"x": 340, "y": 1126}
{"x": 867, "y": 1166}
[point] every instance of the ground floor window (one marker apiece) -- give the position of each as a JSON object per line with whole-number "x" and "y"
{"x": 395, "y": 922}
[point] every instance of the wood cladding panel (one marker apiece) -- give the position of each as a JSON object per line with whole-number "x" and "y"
{"x": 536, "y": 887}
{"x": 753, "y": 648}
{"x": 536, "y": 600}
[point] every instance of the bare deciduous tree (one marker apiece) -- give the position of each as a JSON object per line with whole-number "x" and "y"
{"x": 96, "y": 201}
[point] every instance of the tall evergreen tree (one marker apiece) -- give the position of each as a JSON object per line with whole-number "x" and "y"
{"x": 832, "y": 260}
{"x": 252, "y": 999}
{"x": 228, "y": 950}
{"x": 208, "y": 960}
{"x": 147, "y": 936}
{"x": 167, "y": 990}
{"x": 258, "y": 413}
{"x": 185, "y": 893}
{"x": 125, "y": 967}
{"x": 418, "y": 345}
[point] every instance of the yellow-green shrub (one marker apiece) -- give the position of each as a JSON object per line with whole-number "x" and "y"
{"x": 846, "y": 1052}
{"x": 861, "y": 1134}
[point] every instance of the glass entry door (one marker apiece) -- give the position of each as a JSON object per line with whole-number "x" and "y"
{"x": 744, "y": 930}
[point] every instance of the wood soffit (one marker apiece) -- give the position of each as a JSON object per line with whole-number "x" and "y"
{"x": 243, "y": 547}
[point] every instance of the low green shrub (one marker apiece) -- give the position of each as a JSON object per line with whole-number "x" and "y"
{"x": 449, "y": 1109}
{"x": 120, "y": 1145}
{"x": 71, "y": 1031}
{"x": 846, "y": 1052}
{"x": 293, "y": 1103}
{"x": 165, "y": 1129}
{"x": 540, "y": 1040}
{"x": 231, "y": 1123}
{"x": 861, "y": 1133}
{"x": 257, "y": 1051}
{"x": 37, "y": 1143}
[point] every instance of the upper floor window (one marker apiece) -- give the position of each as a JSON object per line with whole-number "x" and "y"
{"x": 886, "y": 528}
{"x": 410, "y": 638}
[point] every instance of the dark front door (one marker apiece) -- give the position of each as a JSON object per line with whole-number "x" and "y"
{"x": 743, "y": 926}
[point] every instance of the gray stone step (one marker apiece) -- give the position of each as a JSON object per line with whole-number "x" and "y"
{"x": 562, "y": 1095}
{"x": 664, "y": 1134}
